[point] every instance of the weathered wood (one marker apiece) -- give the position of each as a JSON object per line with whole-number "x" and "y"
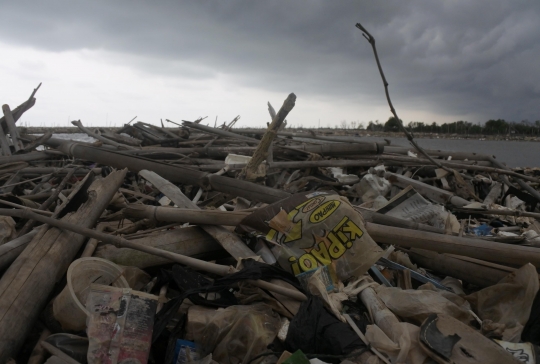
{"x": 45, "y": 205}
{"x": 12, "y": 249}
{"x": 433, "y": 193}
{"x": 506, "y": 254}
{"x": 220, "y": 132}
{"x": 21, "y": 109}
{"x": 123, "y": 243}
{"x": 493, "y": 194}
{"x": 228, "y": 240}
{"x": 102, "y": 139}
{"x": 519, "y": 180}
{"x": 476, "y": 274}
{"x": 26, "y": 285}
{"x": 38, "y": 353}
{"x": 36, "y": 142}
{"x": 34, "y": 156}
{"x": 11, "y": 127}
{"x": 190, "y": 241}
{"x": 193, "y": 216}
{"x": 4, "y": 143}
{"x": 261, "y": 152}
{"x": 173, "y": 173}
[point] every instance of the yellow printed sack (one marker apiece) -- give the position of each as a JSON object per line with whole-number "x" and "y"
{"x": 312, "y": 230}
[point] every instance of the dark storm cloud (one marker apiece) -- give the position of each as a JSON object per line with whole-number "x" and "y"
{"x": 446, "y": 57}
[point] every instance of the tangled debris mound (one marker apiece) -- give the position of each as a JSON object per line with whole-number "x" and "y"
{"x": 198, "y": 245}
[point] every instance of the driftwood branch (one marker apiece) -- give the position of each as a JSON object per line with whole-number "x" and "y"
{"x": 260, "y": 153}
{"x": 409, "y": 135}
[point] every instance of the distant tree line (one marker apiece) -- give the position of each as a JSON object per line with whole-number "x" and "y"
{"x": 492, "y": 126}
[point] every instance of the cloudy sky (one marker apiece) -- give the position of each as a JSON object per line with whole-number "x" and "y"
{"x": 104, "y": 62}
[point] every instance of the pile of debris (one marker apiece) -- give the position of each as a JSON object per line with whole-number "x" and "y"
{"x": 200, "y": 244}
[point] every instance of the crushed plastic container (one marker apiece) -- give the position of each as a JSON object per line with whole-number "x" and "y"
{"x": 69, "y": 306}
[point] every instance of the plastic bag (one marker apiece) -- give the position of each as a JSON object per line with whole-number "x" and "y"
{"x": 236, "y": 334}
{"x": 416, "y": 305}
{"x": 315, "y": 330}
{"x": 315, "y": 229}
{"x": 508, "y": 302}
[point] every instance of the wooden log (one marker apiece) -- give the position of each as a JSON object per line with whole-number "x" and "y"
{"x": 506, "y": 254}
{"x": 10, "y": 121}
{"x": 20, "y": 110}
{"x": 173, "y": 173}
{"x": 433, "y": 193}
{"x": 477, "y": 274}
{"x": 25, "y": 287}
{"x": 228, "y": 240}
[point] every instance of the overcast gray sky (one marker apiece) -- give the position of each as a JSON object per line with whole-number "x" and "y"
{"x": 104, "y": 62}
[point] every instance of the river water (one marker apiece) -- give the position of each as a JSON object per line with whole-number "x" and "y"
{"x": 513, "y": 153}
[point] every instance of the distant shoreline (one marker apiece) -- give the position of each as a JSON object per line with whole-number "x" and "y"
{"x": 322, "y": 131}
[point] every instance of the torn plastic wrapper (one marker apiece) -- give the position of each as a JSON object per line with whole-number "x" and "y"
{"x": 235, "y": 334}
{"x": 313, "y": 230}
{"x": 119, "y": 325}
{"x": 410, "y": 205}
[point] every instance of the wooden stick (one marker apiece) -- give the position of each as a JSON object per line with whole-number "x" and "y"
{"x": 434, "y": 193}
{"x": 45, "y": 205}
{"x": 409, "y": 136}
{"x": 102, "y": 139}
{"x": 261, "y": 152}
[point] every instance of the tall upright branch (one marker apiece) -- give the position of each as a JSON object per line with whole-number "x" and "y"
{"x": 408, "y": 134}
